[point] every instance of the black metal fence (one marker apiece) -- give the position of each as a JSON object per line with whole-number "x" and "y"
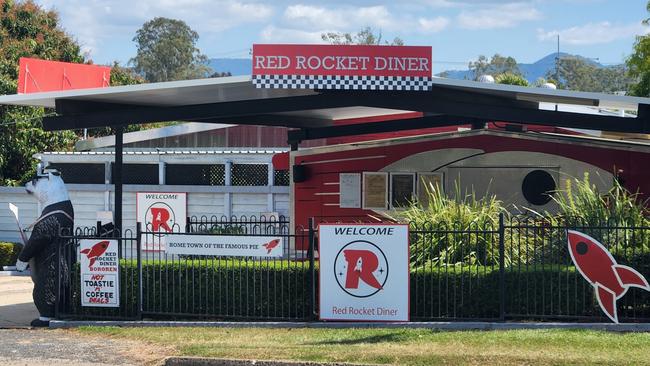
{"x": 515, "y": 270}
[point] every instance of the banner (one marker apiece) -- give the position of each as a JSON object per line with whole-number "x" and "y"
{"x": 160, "y": 213}
{"x": 100, "y": 273}
{"x": 342, "y": 67}
{"x": 364, "y": 272}
{"x": 220, "y": 245}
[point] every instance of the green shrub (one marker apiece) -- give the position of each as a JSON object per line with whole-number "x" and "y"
{"x": 266, "y": 289}
{"x": 9, "y": 253}
{"x": 451, "y": 230}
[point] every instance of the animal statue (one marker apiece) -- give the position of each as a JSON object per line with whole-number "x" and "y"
{"x": 40, "y": 251}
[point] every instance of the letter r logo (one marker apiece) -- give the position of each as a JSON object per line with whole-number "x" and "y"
{"x": 361, "y": 265}
{"x": 160, "y": 218}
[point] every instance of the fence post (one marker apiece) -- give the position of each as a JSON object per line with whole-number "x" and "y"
{"x": 502, "y": 279}
{"x": 138, "y": 241}
{"x": 312, "y": 278}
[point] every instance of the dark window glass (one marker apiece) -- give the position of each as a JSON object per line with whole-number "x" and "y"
{"x": 401, "y": 188}
{"x": 249, "y": 175}
{"x": 137, "y": 173}
{"x": 195, "y": 174}
{"x": 538, "y": 187}
{"x": 281, "y": 177}
{"x": 80, "y": 173}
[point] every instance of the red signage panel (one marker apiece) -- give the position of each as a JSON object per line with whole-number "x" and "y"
{"x": 341, "y": 60}
{"x": 37, "y": 75}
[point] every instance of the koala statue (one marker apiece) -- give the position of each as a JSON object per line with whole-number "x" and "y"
{"x": 40, "y": 251}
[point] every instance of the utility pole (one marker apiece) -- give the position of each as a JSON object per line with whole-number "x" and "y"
{"x": 557, "y": 61}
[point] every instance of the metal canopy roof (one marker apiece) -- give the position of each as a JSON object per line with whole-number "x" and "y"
{"x": 236, "y": 100}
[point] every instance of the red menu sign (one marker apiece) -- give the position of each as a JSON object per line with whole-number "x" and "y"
{"x": 342, "y": 60}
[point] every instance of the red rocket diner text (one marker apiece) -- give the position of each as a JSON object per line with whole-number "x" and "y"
{"x": 352, "y": 60}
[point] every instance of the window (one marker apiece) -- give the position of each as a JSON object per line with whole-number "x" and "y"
{"x": 402, "y": 189}
{"x": 195, "y": 174}
{"x": 281, "y": 177}
{"x": 80, "y": 173}
{"x": 249, "y": 175}
{"x": 538, "y": 187}
{"x": 137, "y": 173}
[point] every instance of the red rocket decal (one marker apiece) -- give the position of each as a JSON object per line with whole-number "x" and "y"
{"x": 271, "y": 245}
{"x": 96, "y": 251}
{"x": 597, "y": 265}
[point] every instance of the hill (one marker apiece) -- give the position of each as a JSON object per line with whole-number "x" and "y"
{"x": 531, "y": 71}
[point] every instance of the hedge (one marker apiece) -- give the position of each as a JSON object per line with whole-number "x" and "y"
{"x": 9, "y": 253}
{"x": 267, "y": 289}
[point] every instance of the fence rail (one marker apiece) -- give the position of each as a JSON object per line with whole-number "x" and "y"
{"x": 517, "y": 269}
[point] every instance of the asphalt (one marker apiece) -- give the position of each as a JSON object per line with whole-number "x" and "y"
{"x": 16, "y": 306}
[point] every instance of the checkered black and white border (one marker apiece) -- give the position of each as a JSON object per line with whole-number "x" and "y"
{"x": 412, "y": 83}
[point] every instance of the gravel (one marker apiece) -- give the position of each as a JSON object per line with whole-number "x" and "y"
{"x": 64, "y": 347}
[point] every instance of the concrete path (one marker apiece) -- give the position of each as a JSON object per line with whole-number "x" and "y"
{"x": 16, "y": 306}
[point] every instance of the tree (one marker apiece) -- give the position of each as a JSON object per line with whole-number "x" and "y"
{"x": 511, "y": 79}
{"x": 26, "y": 30}
{"x": 365, "y": 36}
{"x": 495, "y": 66}
{"x": 638, "y": 63}
{"x": 167, "y": 51}
{"x": 576, "y": 73}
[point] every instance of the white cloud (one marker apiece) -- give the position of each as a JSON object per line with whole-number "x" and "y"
{"x": 432, "y": 25}
{"x": 593, "y": 33}
{"x": 93, "y": 22}
{"x": 313, "y": 17}
{"x": 498, "y": 16}
{"x": 273, "y": 34}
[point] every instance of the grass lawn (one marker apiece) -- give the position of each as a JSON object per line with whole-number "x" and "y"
{"x": 398, "y": 346}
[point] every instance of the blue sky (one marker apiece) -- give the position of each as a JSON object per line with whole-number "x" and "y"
{"x": 458, "y": 30}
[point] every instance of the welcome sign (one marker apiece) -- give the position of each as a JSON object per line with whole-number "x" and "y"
{"x": 364, "y": 272}
{"x": 342, "y": 67}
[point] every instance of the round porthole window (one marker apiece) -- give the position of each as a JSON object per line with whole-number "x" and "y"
{"x": 537, "y": 187}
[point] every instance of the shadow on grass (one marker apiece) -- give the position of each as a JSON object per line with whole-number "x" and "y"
{"x": 370, "y": 339}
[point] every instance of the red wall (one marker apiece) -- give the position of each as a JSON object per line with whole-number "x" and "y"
{"x": 308, "y": 204}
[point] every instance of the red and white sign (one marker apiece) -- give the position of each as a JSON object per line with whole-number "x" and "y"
{"x": 224, "y": 245}
{"x": 364, "y": 272}
{"x": 160, "y": 213}
{"x": 342, "y": 67}
{"x": 35, "y": 75}
{"x": 597, "y": 265}
{"x": 100, "y": 273}
{"x": 358, "y": 60}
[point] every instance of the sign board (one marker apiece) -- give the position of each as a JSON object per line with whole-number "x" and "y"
{"x": 364, "y": 272}
{"x": 342, "y": 67}
{"x": 35, "y": 76}
{"x": 160, "y": 213}
{"x": 220, "y": 245}
{"x": 375, "y": 190}
{"x": 100, "y": 273}
{"x": 349, "y": 190}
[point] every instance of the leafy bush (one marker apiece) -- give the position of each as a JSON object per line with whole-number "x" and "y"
{"x": 452, "y": 230}
{"x": 281, "y": 289}
{"x": 9, "y": 253}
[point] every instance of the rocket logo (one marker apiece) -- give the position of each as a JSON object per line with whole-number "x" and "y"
{"x": 597, "y": 265}
{"x": 95, "y": 251}
{"x": 361, "y": 268}
{"x": 271, "y": 245}
{"x": 160, "y": 218}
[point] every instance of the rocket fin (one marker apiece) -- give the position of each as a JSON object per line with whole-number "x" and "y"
{"x": 630, "y": 277}
{"x": 607, "y": 301}
{"x": 85, "y": 251}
